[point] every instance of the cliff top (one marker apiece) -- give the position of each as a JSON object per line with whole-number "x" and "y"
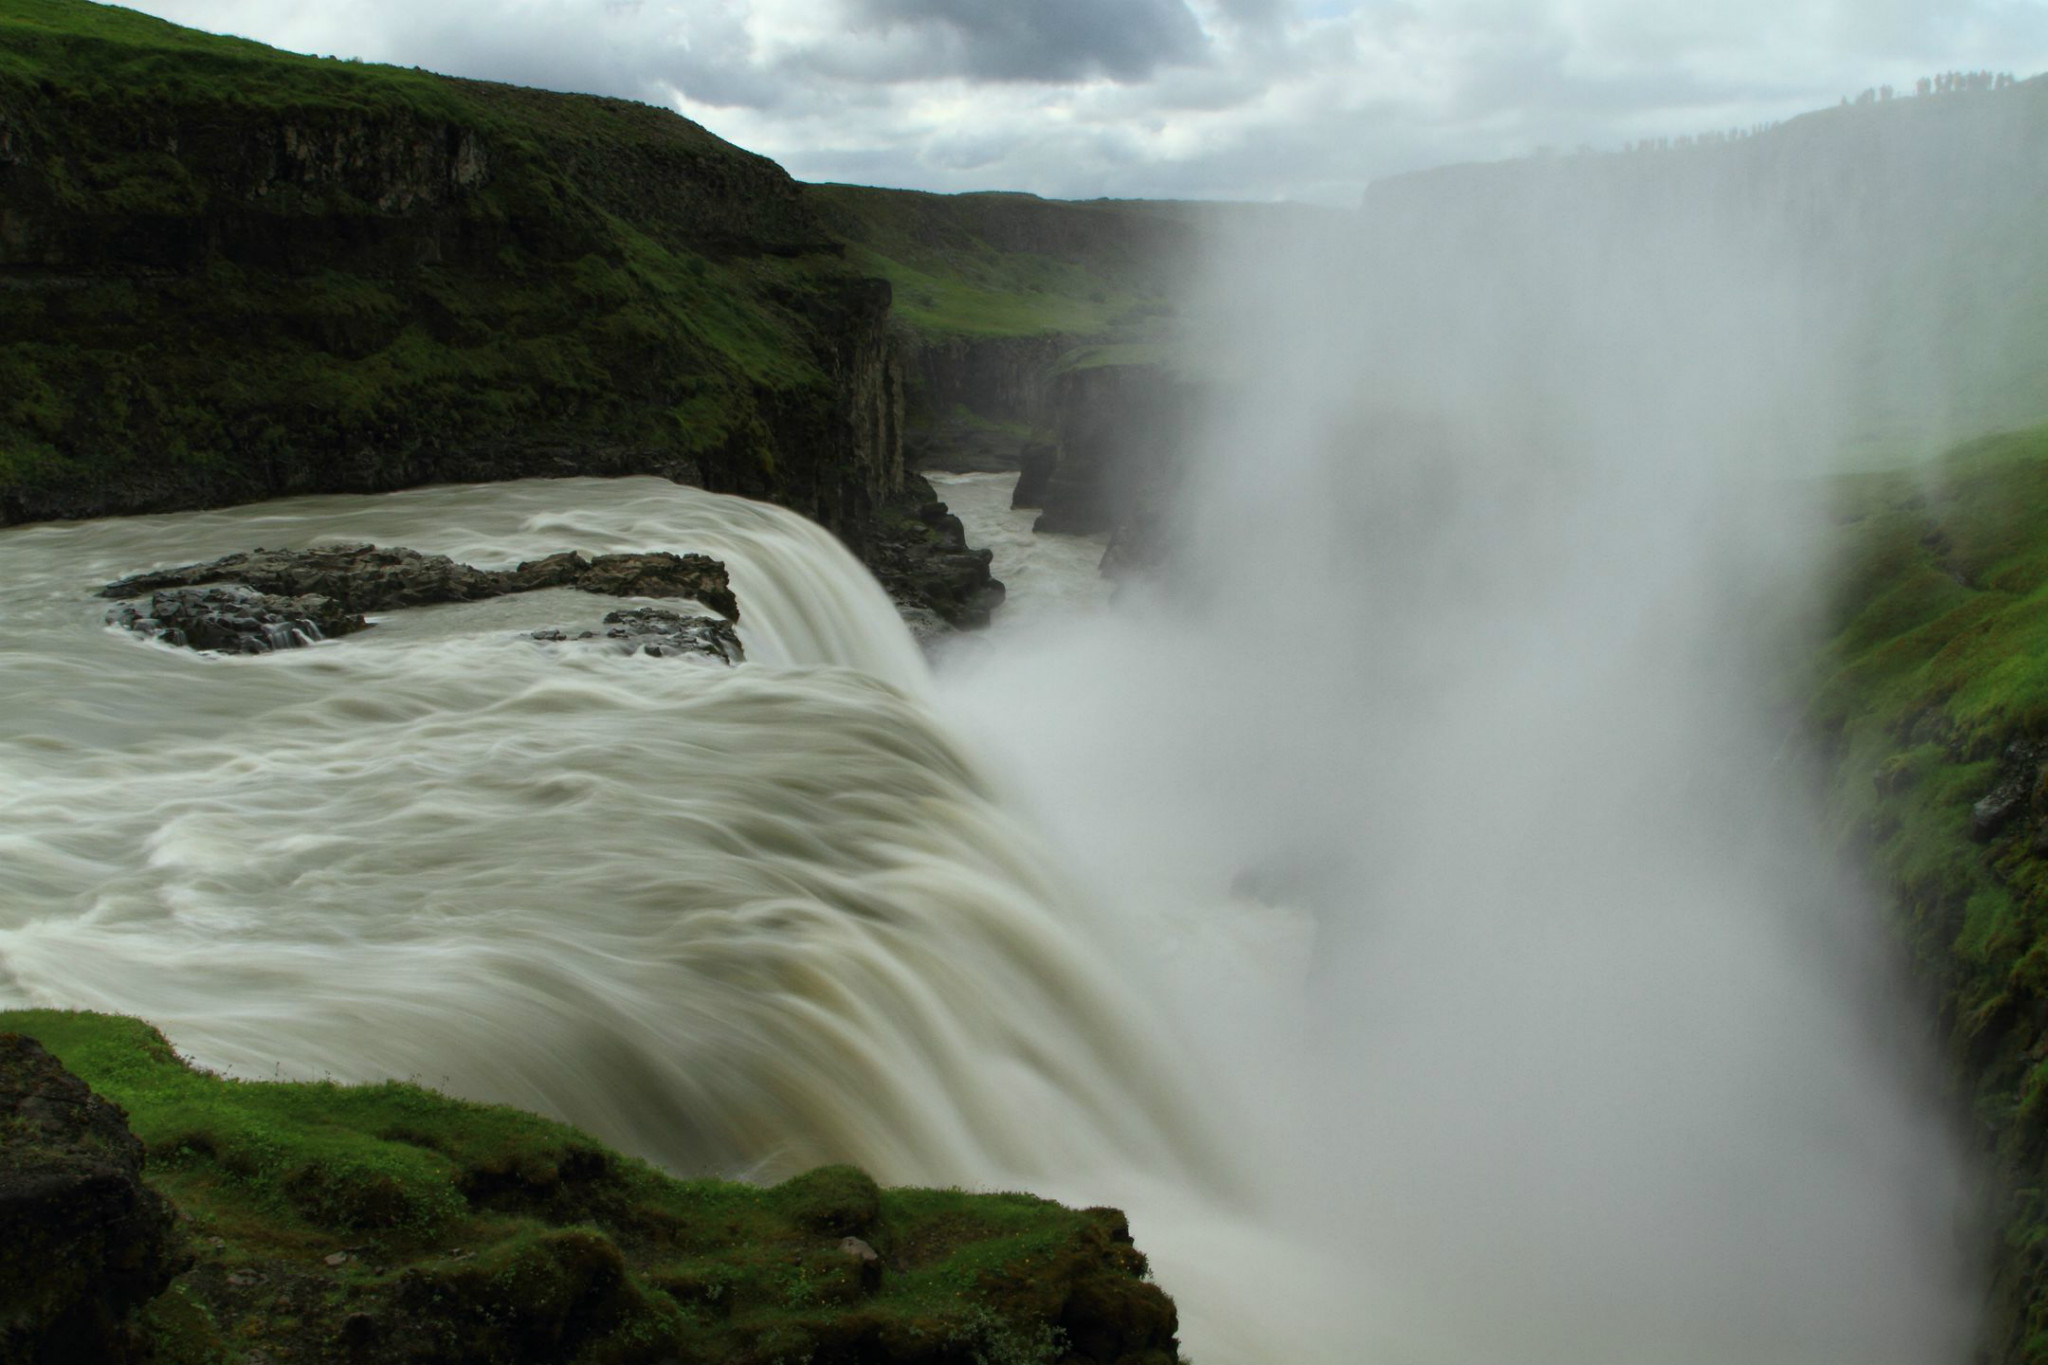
{"x": 82, "y": 48}
{"x": 402, "y": 1224}
{"x": 235, "y": 272}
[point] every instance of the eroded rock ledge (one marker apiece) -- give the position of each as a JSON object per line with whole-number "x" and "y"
{"x": 264, "y": 600}
{"x": 360, "y": 578}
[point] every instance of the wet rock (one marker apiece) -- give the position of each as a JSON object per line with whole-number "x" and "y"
{"x": 661, "y": 634}
{"x": 364, "y": 578}
{"x": 1993, "y": 813}
{"x": 922, "y": 558}
{"x": 660, "y": 574}
{"x": 2020, "y": 771}
{"x": 83, "y": 1242}
{"x": 870, "y": 1263}
{"x": 926, "y": 626}
{"x": 1121, "y": 431}
{"x": 236, "y": 620}
{"x": 1034, "y": 472}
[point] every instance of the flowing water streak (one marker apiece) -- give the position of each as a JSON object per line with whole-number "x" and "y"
{"x": 745, "y": 920}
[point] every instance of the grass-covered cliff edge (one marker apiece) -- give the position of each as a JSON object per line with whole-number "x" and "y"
{"x": 328, "y": 1223}
{"x": 1932, "y": 700}
{"x": 229, "y": 272}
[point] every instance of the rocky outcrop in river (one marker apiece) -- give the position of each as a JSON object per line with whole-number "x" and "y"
{"x": 264, "y": 600}
{"x": 381, "y": 578}
{"x": 660, "y": 634}
{"x": 236, "y": 620}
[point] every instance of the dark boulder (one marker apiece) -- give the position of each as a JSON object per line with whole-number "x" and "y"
{"x": 1123, "y": 430}
{"x": 921, "y": 557}
{"x": 83, "y": 1242}
{"x": 661, "y": 634}
{"x": 2021, "y": 770}
{"x": 1034, "y": 472}
{"x": 236, "y": 620}
{"x": 659, "y": 574}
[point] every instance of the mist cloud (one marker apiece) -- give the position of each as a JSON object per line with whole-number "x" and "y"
{"x": 1256, "y": 99}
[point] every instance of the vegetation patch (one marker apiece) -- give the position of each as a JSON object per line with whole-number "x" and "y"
{"x": 1014, "y": 265}
{"x": 390, "y": 1223}
{"x": 1933, "y": 697}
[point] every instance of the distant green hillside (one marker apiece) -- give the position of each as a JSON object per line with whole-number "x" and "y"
{"x": 1006, "y": 265}
{"x": 228, "y": 272}
{"x": 999, "y": 297}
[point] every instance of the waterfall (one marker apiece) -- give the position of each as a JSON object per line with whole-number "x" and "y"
{"x": 741, "y": 920}
{"x": 1264, "y": 923}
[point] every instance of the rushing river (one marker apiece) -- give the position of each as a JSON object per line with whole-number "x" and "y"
{"x": 821, "y": 906}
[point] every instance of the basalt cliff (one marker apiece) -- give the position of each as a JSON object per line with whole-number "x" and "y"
{"x": 230, "y": 273}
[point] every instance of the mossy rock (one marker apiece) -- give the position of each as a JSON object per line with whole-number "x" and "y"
{"x": 390, "y": 1223}
{"x": 841, "y": 1201}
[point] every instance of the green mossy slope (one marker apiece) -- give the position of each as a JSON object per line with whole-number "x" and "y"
{"x": 390, "y": 1223}
{"x": 228, "y": 272}
{"x": 1933, "y": 696}
{"x": 1014, "y": 265}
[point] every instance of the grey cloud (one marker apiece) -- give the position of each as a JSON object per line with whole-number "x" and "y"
{"x": 1257, "y": 13}
{"x": 1049, "y": 40}
{"x": 1277, "y": 98}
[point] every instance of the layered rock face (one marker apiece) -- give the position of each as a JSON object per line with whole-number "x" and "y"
{"x": 921, "y": 555}
{"x": 982, "y": 402}
{"x": 229, "y": 273}
{"x": 232, "y": 273}
{"x": 1123, "y": 436}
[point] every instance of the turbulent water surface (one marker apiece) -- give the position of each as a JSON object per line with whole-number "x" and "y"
{"x": 743, "y": 919}
{"x": 1049, "y": 578}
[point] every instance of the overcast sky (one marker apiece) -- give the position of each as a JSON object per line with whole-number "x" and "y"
{"x": 1244, "y": 99}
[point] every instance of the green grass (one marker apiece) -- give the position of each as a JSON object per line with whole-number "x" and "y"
{"x": 1938, "y": 663}
{"x": 1015, "y": 301}
{"x": 1012, "y": 265}
{"x": 500, "y": 1236}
